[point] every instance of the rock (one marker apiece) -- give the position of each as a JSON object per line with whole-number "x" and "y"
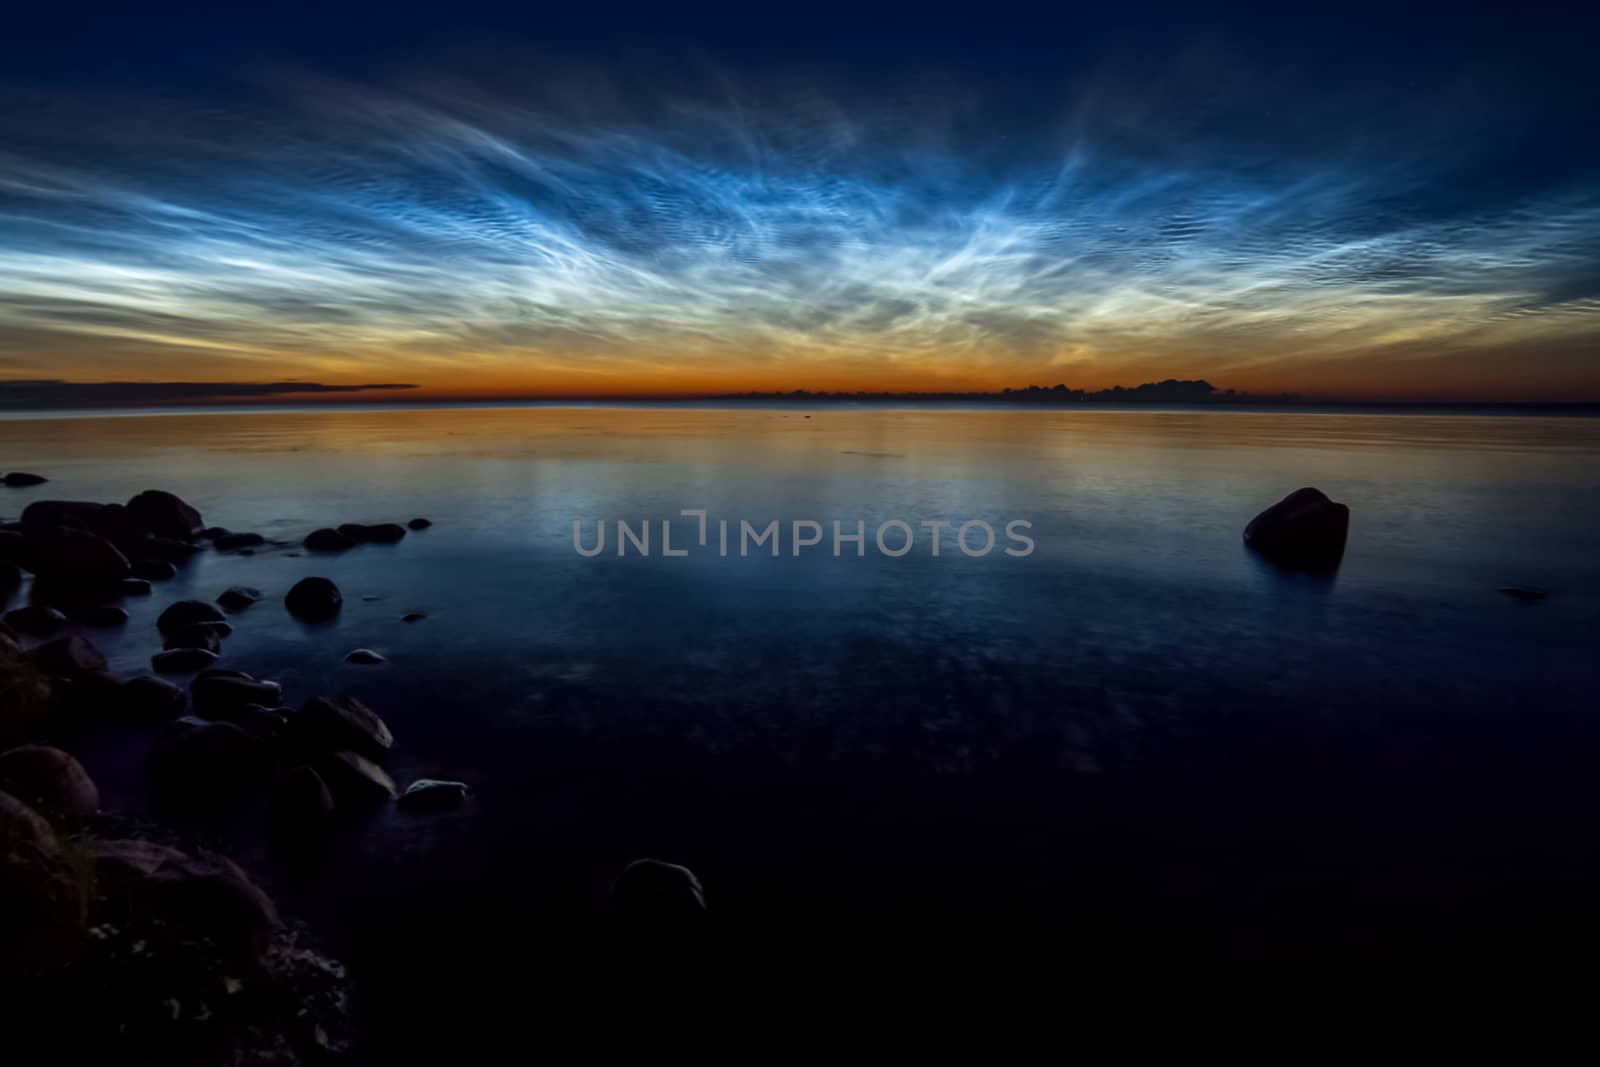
{"x": 134, "y": 587}
{"x": 182, "y": 660}
{"x": 73, "y": 654}
{"x": 49, "y": 780}
{"x": 206, "y": 635}
{"x": 213, "y": 695}
{"x": 201, "y": 761}
{"x": 168, "y": 549}
{"x": 256, "y": 719}
{"x": 148, "y": 699}
{"x": 233, "y": 541}
{"x": 10, "y": 578}
{"x": 238, "y": 597}
{"x": 313, "y": 600}
{"x": 75, "y": 556}
{"x": 44, "y": 895}
{"x": 386, "y": 533}
{"x": 1304, "y": 530}
{"x": 355, "y": 532}
{"x": 414, "y": 616}
{"x": 204, "y": 897}
{"x": 300, "y": 801}
{"x": 433, "y": 794}
{"x": 35, "y": 620}
{"x": 153, "y": 570}
{"x": 354, "y": 779}
{"x": 419, "y": 524}
{"x": 651, "y": 889}
{"x": 44, "y": 514}
{"x": 329, "y": 724}
{"x": 167, "y": 515}
{"x": 186, "y": 613}
{"x": 364, "y": 656}
{"x": 223, "y": 672}
{"x": 1522, "y": 592}
{"x": 119, "y": 526}
{"x": 104, "y": 616}
{"x": 211, "y": 533}
{"x": 20, "y": 479}
{"x": 327, "y": 540}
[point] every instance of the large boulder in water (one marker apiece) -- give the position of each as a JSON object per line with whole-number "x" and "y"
{"x": 167, "y": 515}
{"x": 21, "y": 479}
{"x": 654, "y": 891}
{"x": 43, "y": 514}
{"x": 356, "y": 780}
{"x": 149, "y": 699}
{"x": 1305, "y": 530}
{"x": 313, "y": 599}
{"x": 49, "y": 780}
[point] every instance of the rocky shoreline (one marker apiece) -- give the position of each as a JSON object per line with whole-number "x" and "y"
{"x": 178, "y": 946}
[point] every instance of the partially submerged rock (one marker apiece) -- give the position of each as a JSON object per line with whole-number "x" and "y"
{"x": 419, "y": 524}
{"x": 651, "y": 889}
{"x": 201, "y": 762}
{"x": 327, "y": 540}
{"x": 414, "y": 616}
{"x": 1523, "y": 592}
{"x": 1305, "y": 530}
{"x": 214, "y": 695}
{"x": 70, "y": 555}
{"x": 236, "y": 598}
{"x": 301, "y": 801}
{"x": 49, "y": 780}
{"x": 187, "y": 613}
{"x": 196, "y": 635}
{"x": 149, "y": 699}
{"x": 35, "y": 620}
{"x": 21, "y": 479}
{"x": 167, "y": 515}
{"x": 234, "y": 541}
{"x": 153, "y": 570}
{"x": 364, "y": 656}
{"x": 134, "y": 587}
{"x": 313, "y": 600}
{"x": 333, "y": 723}
{"x": 433, "y": 794}
{"x": 72, "y": 654}
{"x": 354, "y": 779}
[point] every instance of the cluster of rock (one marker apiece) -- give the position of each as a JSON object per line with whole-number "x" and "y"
{"x": 349, "y": 535}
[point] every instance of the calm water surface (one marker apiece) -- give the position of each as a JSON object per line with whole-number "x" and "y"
{"x": 610, "y": 707}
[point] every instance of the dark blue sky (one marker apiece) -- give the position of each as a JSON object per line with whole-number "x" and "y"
{"x": 1383, "y": 200}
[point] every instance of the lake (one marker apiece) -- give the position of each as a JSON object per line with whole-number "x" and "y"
{"x": 1137, "y": 716}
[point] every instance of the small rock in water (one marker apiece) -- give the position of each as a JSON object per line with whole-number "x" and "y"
{"x": 313, "y": 599}
{"x": 134, "y": 587}
{"x": 19, "y": 479}
{"x": 1523, "y": 592}
{"x": 153, "y": 570}
{"x": 369, "y": 597}
{"x": 182, "y": 660}
{"x": 419, "y": 524}
{"x": 364, "y": 655}
{"x": 105, "y": 615}
{"x": 653, "y": 890}
{"x": 35, "y": 620}
{"x": 232, "y": 541}
{"x": 327, "y": 540}
{"x": 433, "y": 794}
{"x": 414, "y": 616}
{"x": 238, "y": 597}
{"x": 207, "y": 635}
{"x": 211, "y": 533}
{"x": 188, "y": 613}
{"x": 386, "y": 533}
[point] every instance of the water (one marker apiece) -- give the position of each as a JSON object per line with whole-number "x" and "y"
{"x": 870, "y": 734}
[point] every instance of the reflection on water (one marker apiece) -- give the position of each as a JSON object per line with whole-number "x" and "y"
{"x": 612, "y": 706}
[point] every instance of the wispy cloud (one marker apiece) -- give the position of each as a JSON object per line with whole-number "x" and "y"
{"x": 455, "y": 237}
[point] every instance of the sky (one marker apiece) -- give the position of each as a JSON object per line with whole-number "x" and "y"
{"x": 496, "y": 201}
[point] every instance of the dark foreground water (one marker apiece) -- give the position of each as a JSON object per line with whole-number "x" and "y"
{"x": 1136, "y": 744}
